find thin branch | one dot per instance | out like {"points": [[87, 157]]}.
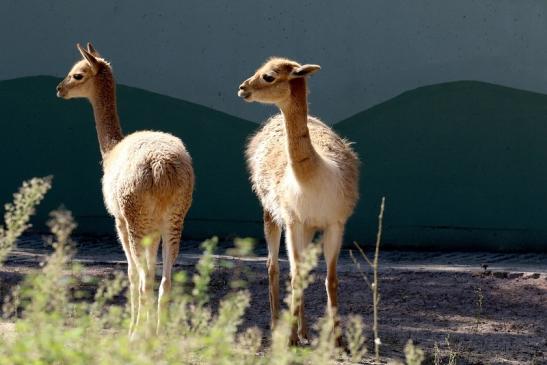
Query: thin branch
{"points": [[375, 292], [363, 254], [363, 275]]}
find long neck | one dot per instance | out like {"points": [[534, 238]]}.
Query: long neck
{"points": [[107, 121], [303, 158]]}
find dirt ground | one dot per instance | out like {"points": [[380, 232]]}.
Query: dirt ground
{"points": [[483, 308]]}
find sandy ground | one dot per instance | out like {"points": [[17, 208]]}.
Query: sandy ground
{"points": [[430, 297]]}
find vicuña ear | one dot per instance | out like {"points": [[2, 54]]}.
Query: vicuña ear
{"points": [[92, 50], [89, 57], [304, 70]]}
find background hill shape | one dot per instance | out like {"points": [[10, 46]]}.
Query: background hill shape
{"points": [[461, 164], [43, 135]]}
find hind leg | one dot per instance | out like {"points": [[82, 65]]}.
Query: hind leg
{"points": [[139, 232], [151, 255], [170, 251], [132, 275], [146, 279]]}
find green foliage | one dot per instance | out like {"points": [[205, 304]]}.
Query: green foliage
{"points": [[19, 212], [53, 325], [479, 308], [204, 269], [355, 339], [58, 322], [243, 247], [451, 354], [414, 355]]}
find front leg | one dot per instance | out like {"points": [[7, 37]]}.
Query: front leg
{"points": [[296, 242], [309, 232], [332, 241]]}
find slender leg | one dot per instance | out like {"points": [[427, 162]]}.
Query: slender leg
{"points": [[295, 242], [332, 241], [145, 285], [131, 270], [302, 323], [170, 251], [151, 256], [272, 233]]}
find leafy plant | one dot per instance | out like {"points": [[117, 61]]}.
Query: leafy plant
{"points": [[58, 322], [18, 212]]}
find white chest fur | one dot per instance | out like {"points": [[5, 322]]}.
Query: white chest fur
{"points": [[318, 201]]}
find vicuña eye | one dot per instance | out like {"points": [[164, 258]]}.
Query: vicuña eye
{"points": [[268, 78], [78, 76]]}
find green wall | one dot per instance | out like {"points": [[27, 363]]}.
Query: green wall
{"points": [[461, 164], [44, 135]]}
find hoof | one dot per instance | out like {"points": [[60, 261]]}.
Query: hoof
{"points": [[341, 344], [304, 339], [294, 340], [133, 336]]}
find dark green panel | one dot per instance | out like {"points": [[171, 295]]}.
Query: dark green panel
{"points": [[461, 164], [45, 135]]}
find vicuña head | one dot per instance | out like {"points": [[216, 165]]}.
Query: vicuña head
{"points": [[271, 83], [83, 79]]}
